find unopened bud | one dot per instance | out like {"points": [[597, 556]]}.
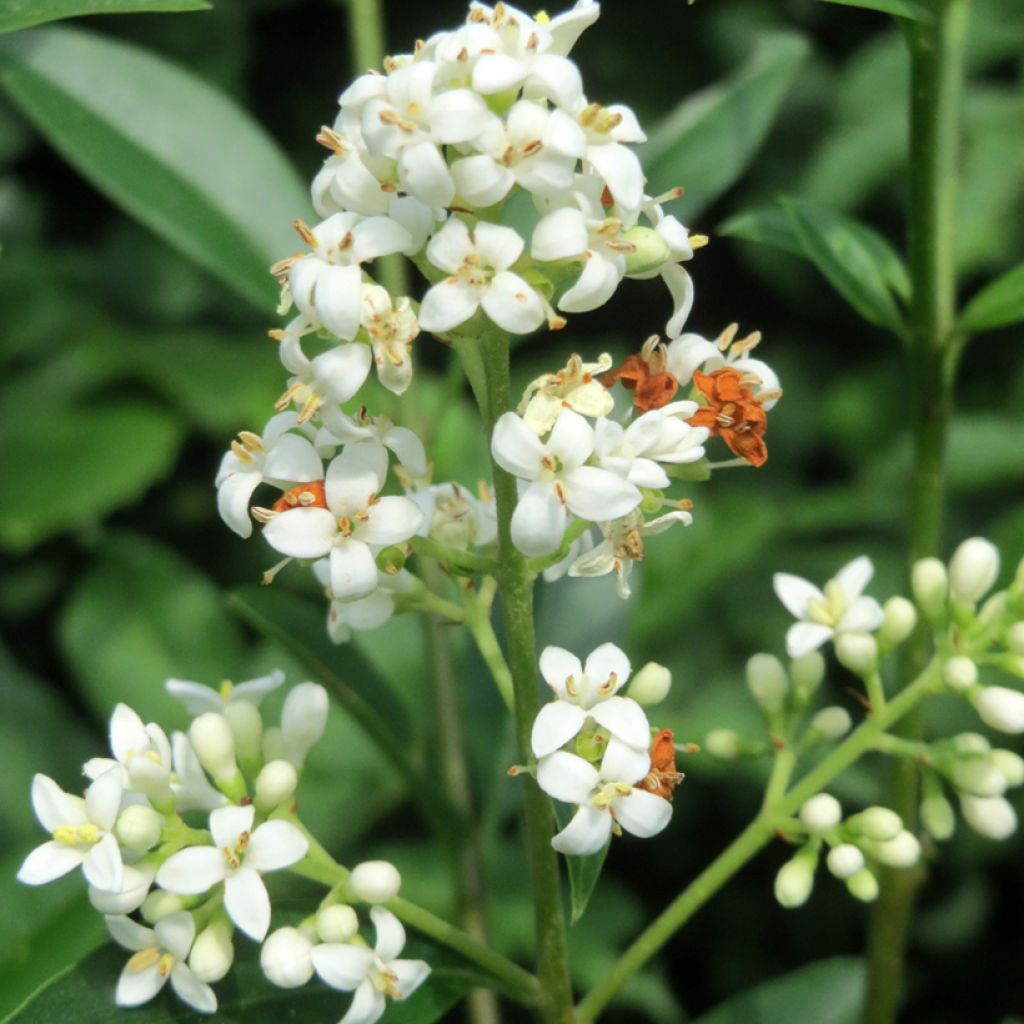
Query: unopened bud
{"points": [[1011, 764], [878, 823], [651, 684], [214, 745], [723, 744], [972, 570], [375, 881], [138, 827], [898, 622], [960, 673], [392, 559], [845, 860], [795, 881], [1001, 708], [930, 584], [978, 778], [821, 813], [863, 886], [303, 720], [273, 744], [651, 250], [989, 816], [938, 817], [246, 727], [831, 723], [336, 923], [857, 651], [212, 953], [275, 784], [767, 681], [286, 958], [965, 743], [1015, 639], [993, 609], [902, 851], [807, 673], [159, 903]]}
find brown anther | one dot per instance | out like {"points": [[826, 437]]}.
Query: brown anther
{"points": [[534, 146], [262, 515], [778, 743], [276, 334], [330, 139], [251, 442], [305, 234], [346, 242], [685, 504], [282, 267]]}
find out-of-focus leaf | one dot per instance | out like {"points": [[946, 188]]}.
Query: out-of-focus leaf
{"points": [[25, 13], [173, 151], [707, 142], [997, 305], [584, 873], [826, 992], [75, 465], [140, 617], [897, 8]]}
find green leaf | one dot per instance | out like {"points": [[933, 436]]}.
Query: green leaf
{"points": [[998, 304], [584, 873], [73, 466], [897, 8], [25, 13], [707, 142], [140, 617], [826, 992], [171, 150]]}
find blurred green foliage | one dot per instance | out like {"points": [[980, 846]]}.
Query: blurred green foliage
{"points": [[134, 348]]}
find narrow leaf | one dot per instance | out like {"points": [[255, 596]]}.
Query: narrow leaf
{"points": [[18, 14], [998, 304], [167, 147], [708, 141], [897, 8], [584, 873]]}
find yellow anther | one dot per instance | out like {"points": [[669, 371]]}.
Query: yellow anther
{"points": [[698, 241], [164, 965], [239, 452], [250, 441], [305, 234], [144, 959]]}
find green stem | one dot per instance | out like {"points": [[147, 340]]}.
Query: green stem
{"points": [[936, 70], [751, 841], [516, 584], [478, 622], [468, 562]]}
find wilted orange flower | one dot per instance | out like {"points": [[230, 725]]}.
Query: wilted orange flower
{"points": [[645, 374], [311, 495], [733, 412], [663, 778]]}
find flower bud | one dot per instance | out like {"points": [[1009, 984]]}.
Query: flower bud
{"points": [[930, 584], [1001, 708], [767, 681], [857, 651], [212, 953], [972, 570], [651, 684], [993, 609], [246, 724], [978, 778], [863, 886], [900, 618], [831, 723], [960, 673], [651, 250], [138, 827], [902, 851], [286, 958], [989, 816], [964, 743], [723, 744], [1011, 764], [1015, 638], [214, 745], [821, 813], [807, 673], [794, 882], [845, 860], [275, 784], [159, 903], [878, 823], [303, 720], [336, 923], [392, 559], [937, 817], [375, 881]]}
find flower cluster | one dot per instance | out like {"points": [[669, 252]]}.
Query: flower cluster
{"points": [[137, 835]]}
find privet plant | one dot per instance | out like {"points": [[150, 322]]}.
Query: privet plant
{"points": [[479, 158]]}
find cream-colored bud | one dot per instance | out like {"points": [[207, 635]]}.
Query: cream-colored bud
{"points": [[878, 823], [1015, 639], [1011, 764], [857, 651], [930, 583], [286, 958], [794, 882], [978, 777], [723, 744], [821, 813], [246, 727], [336, 923], [960, 673], [303, 720], [993, 609], [989, 816], [213, 952], [650, 251], [651, 684], [275, 784], [972, 570], [902, 851], [1001, 708], [831, 723], [900, 618], [845, 860], [807, 673], [767, 681], [970, 743], [214, 745], [863, 886], [375, 881], [138, 827], [158, 904], [938, 817]]}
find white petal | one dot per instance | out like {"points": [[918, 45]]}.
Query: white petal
{"points": [[409, 449], [49, 861], [247, 902], [302, 279], [197, 698], [572, 440], [176, 933], [378, 236], [555, 724], [538, 523], [448, 304], [353, 570], [688, 352], [567, 777], [233, 497], [512, 304], [588, 831], [624, 763], [191, 990], [53, 806], [275, 845], [620, 168], [804, 637], [137, 987], [680, 287], [498, 246], [560, 235], [516, 448], [795, 593], [228, 823], [338, 300], [641, 813], [134, 890], [254, 690], [341, 371], [129, 934], [594, 287], [410, 974], [367, 1007], [302, 532], [603, 663], [103, 798], [480, 181], [355, 476], [294, 460], [127, 733], [557, 78], [496, 72], [854, 577], [424, 174], [624, 719], [557, 666], [192, 871], [450, 246], [863, 616], [389, 521], [103, 866], [390, 938], [341, 965], [597, 495], [458, 115]]}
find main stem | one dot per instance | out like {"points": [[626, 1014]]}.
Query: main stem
{"points": [[936, 68], [516, 586]]}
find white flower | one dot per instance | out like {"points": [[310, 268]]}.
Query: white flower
{"points": [[841, 608], [478, 265], [303, 720], [558, 480], [332, 377], [135, 885], [372, 973], [677, 280], [354, 519], [577, 387], [377, 430], [237, 858], [160, 953], [607, 128], [392, 327], [583, 692], [191, 788], [142, 751], [454, 517], [198, 699], [277, 457], [606, 797], [82, 833], [364, 613]]}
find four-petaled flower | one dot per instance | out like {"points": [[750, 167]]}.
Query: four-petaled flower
{"points": [[733, 412], [646, 375]]}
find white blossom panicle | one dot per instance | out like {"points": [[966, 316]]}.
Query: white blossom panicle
{"points": [[142, 752]]}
